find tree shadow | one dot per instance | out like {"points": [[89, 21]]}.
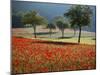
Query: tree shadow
{"points": [[64, 37], [19, 37], [86, 36], [93, 38], [56, 43], [44, 33]]}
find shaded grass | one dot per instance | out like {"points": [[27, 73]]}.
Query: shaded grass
{"points": [[44, 33], [84, 40]]}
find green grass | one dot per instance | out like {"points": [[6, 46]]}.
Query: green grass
{"points": [[84, 40]]}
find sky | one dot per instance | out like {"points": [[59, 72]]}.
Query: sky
{"points": [[49, 10]]}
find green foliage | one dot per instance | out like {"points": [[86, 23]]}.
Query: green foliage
{"points": [[79, 15], [61, 22], [33, 17], [61, 25], [51, 26]]}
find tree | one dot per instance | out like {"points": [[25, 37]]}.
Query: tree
{"points": [[34, 19], [51, 26], [61, 23], [79, 15]]}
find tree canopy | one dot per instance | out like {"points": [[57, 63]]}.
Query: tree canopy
{"points": [[61, 22], [33, 17], [79, 15]]}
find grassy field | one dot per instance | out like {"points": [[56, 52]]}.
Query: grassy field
{"points": [[43, 34]]}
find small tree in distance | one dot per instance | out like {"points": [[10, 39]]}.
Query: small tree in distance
{"points": [[61, 23], [51, 26]]}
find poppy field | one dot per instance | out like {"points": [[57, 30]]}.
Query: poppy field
{"points": [[34, 55]]}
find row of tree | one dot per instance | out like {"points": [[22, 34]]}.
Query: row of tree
{"points": [[76, 17]]}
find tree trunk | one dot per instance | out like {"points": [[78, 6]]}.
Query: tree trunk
{"points": [[79, 34], [62, 29], [62, 33], [50, 32], [34, 27], [74, 32]]}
